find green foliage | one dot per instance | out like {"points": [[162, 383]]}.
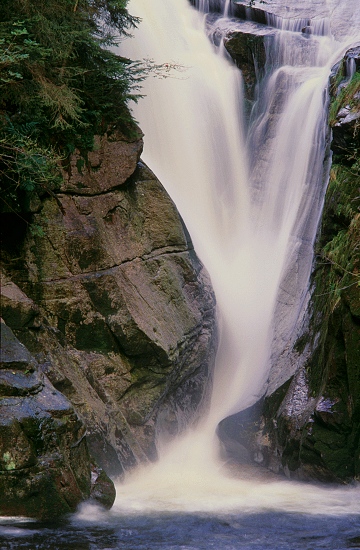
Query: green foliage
{"points": [[24, 164], [348, 95], [337, 274], [339, 248], [341, 232], [59, 85]]}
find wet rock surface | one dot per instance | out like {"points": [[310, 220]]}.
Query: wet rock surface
{"points": [[44, 461], [275, 11], [308, 426], [245, 43], [102, 492], [250, 26], [246, 47], [347, 118]]}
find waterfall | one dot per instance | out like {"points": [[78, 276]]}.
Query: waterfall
{"points": [[250, 193], [204, 165], [250, 215]]}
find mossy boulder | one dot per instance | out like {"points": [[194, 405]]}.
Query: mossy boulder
{"points": [[44, 461], [45, 467]]}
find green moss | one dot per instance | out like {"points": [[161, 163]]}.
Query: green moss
{"points": [[95, 336], [337, 78], [337, 274], [9, 461], [338, 268], [331, 441], [338, 256]]}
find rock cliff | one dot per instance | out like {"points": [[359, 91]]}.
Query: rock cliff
{"points": [[103, 287]]}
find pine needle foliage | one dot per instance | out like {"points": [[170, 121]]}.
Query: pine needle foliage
{"points": [[59, 79]]}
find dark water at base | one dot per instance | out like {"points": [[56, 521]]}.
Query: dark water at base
{"points": [[270, 531]]}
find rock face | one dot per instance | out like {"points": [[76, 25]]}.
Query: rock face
{"points": [[276, 11], [246, 45], [44, 460], [109, 165], [309, 427], [109, 296]]}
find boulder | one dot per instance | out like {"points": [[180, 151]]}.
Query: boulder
{"points": [[120, 311], [19, 310], [44, 461], [246, 46], [102, 488], [110, 163]]}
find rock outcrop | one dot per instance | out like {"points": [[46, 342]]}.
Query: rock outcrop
{"points": [[44, 461], [246, 45], [107, 293]]}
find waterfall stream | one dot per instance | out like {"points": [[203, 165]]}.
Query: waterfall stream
{"points": [[250, 187], [250, 192]]}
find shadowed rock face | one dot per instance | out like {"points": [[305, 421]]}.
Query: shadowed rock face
{"points": [[112, 300], [246, 45], [45, 468]]}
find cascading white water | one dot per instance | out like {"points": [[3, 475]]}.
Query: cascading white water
{"points": [[252, 216], [202, 162], [194, 144]]}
